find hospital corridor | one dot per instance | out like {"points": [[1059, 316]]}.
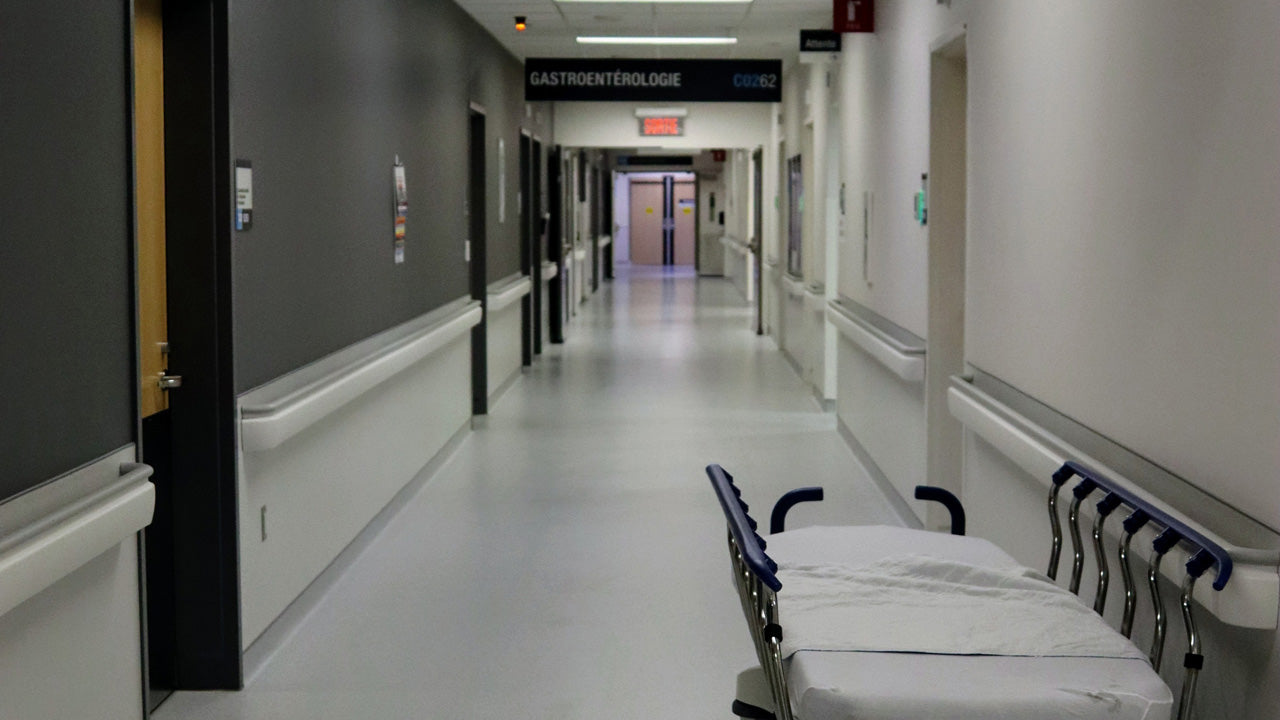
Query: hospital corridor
{"points": [[566, 561], [689, 359]]}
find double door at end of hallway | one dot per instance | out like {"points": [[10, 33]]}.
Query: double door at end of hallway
{"points": [[663, 221]]}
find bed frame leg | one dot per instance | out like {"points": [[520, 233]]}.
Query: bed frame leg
{"points": [[1193, 661], [1132, 524], [1081, 491], [1060, 478], [1106, 506], [1163, 544]]}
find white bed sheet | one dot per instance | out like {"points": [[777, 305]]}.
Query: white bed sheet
{"points": [[901, 686], [921, 604]]}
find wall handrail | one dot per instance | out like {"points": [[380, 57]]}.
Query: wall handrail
{"points": [[605, 240], [793, 285], [735, 245], [815, 297], [901, 356], [1250, 600], [266, 424], [549, 269], [37, 555], [507, 291]]}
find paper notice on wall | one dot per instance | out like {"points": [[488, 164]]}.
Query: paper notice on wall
{"points": [[401, 209], [244, 195]]}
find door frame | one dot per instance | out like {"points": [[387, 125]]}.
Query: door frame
{"points": [[200, 512], [555, 243], [947, 198], [474, 207], [757, 232], [538, 232], [527, 257]]}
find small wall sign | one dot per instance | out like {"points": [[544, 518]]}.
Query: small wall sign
{"points": [[825, 41], [244, 195], [401, 208]]}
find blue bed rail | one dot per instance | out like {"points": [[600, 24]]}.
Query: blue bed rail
{"points": [[1206, 553], [743, 528]]}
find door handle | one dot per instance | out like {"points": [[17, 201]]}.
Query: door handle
{"points": [[169, 382]]}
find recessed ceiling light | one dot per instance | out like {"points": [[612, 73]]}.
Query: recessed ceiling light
{"points": [[653, 40]]}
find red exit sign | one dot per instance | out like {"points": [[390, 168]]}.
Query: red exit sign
{"points": [[650, 126], [851, 16]]}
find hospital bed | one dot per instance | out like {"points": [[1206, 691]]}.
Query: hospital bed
{"points": [[883, 622]]}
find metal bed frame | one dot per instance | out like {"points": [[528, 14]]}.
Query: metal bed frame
{"points": [[755, 573]]}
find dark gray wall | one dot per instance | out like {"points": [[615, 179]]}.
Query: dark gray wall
{"points": [[324, 96], [66, 298]]}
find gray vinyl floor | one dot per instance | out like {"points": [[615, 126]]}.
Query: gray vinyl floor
{"points": [[568, 562]]}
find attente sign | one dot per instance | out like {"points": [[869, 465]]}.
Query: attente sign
{"points": [[650, 80]]}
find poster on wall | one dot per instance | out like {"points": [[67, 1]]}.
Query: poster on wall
{"points": [[244, 195], [401, 208]]}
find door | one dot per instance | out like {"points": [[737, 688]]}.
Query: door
{"points": [[539, 230], [646, 222], [555, 244], [685, 234], [795, 213], [947, 198], [184, 200], [757, 233], [153, 337], [475, 207], [526, 250]]}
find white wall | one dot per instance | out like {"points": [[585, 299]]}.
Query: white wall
{"points": [[1123, 264], [503, 346], [74, 649], [884, 90], [323, 485], [708, 125], [1124, 255]]}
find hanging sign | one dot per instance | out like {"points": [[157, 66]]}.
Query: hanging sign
{"points": [[826, 41], [631, 80]]}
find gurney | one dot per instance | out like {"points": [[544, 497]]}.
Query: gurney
{"points": [[881, 622]]}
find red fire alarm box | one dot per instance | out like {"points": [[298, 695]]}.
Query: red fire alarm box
{"points": [[852, 16], [718, 155]]}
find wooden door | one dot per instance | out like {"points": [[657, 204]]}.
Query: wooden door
{"points": [[686, 217], [153, 326], [646, 222]]}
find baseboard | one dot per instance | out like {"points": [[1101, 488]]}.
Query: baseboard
{"points": [[288, 622], [795, 364], [899, 504], [506, 385], [827, 404]]}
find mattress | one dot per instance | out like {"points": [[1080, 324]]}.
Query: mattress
{"points": [[868, 685], [880, 686]]}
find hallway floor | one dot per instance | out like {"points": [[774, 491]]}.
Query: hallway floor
{"points": [[568, 562]]}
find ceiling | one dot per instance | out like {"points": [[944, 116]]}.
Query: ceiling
{"points": [[764, 28]]}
